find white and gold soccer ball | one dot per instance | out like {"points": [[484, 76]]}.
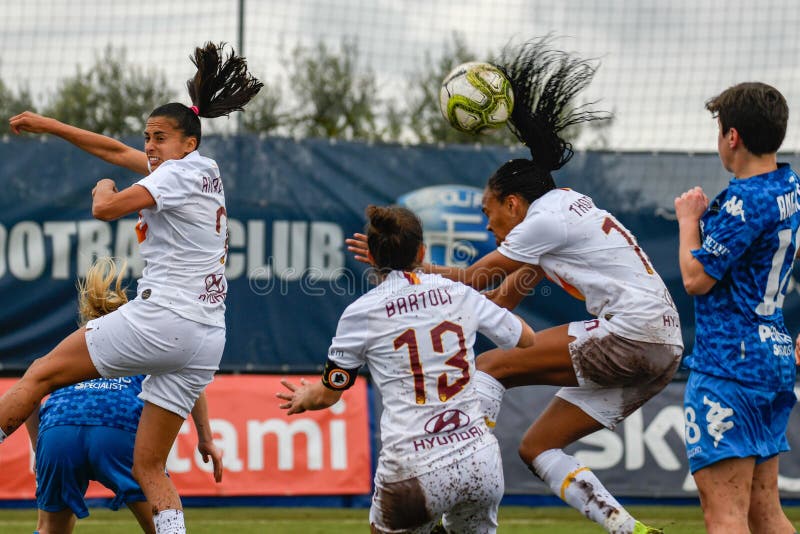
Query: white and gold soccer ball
{"points": [[476, 97]]}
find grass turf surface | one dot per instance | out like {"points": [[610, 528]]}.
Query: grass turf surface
{"points": [[513, 520]]}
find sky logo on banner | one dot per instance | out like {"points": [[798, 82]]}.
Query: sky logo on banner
{"points": [[454, 225]]}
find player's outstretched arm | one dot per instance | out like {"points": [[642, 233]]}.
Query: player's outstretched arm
{"points": [[104, 147], [205, 439], [488, 271], [307, 397], [516, 286]]}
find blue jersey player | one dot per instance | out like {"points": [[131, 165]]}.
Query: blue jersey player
{"points": [[736, 254], [87, 431]]}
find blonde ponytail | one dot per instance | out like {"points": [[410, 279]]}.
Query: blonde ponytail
{"points": [[96, 297]]}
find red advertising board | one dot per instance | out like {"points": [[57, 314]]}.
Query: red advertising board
{"points": [[265, 452]]}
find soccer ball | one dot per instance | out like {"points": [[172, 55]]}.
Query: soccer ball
{"points": [[476, 98]]}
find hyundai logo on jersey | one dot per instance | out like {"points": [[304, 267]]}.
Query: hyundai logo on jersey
{"points": [[446, 421], [454, 225]]}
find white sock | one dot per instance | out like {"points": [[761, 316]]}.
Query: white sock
{"points": [[169, 522], [581, 489], [490, 394]]}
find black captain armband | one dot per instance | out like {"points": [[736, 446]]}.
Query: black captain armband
{"points": [[337, 378]]}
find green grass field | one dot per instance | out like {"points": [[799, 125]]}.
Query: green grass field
{"points": [[513, 520]]}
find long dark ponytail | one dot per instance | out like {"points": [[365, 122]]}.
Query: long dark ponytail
{"points": [[220, 86], [545, 83]]}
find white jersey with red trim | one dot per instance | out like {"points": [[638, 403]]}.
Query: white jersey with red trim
{"points": [[591, 255], [416, 333], [183, 239]]}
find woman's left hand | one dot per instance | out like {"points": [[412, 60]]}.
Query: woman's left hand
{"points": [[208, 451]]}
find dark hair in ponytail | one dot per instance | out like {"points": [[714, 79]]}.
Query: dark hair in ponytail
{"points": [[220, 86], [394, 235], [545, 82]]}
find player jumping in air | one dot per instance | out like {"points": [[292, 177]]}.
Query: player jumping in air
{"points": [[182, 233], [609, 365]]}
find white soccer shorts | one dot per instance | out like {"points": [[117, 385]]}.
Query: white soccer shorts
{"points": [[180, 355], [616, 375]]}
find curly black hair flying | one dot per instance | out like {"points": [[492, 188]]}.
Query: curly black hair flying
{"points": [[545, 82], [221, 85]]}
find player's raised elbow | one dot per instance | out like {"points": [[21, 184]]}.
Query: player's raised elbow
{"points": [[104, 211], [527, 337], [698, 285]]}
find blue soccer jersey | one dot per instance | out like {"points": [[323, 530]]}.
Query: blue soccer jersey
{"points": [[111, 402], [749, 240]]}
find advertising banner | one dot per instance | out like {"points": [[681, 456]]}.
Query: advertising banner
{"points": [[644, 456], [290, 205], [265, 452]]}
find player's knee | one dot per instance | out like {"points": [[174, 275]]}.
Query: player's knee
{"points": [[145, 467], [527, 453]]}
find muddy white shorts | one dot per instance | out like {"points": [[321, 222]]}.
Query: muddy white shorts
{"points": [[465, 494], [616, 375], [180, 355]]}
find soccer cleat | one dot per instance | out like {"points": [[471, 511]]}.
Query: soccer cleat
{"points": [[439, 528], [641, 528]]}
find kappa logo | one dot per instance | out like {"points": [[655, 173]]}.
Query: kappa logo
{"points": [[447, 421], [734, 207], [717, 426], [215, 283], [453, 223]]}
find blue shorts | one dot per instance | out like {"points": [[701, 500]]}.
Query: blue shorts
{"points": [[724, 419], [68, 457]]}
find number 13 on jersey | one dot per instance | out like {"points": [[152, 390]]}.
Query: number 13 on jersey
{"points": [[437, 334]]}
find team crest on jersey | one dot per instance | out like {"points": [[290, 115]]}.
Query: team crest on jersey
{"points": [[453, 223], [734, 207], [338, 378], [447, 421], [216, 288]]}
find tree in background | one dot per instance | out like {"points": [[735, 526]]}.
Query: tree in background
{"points": [[113, 97], [325, 93], [335, 98], [263, 115], [13, 102]]}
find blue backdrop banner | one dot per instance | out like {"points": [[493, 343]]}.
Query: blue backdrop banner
{"points": [[291, 204]]}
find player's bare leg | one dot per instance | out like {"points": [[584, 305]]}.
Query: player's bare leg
{"points": [[765, 514], [725, 489], [61, 522], [143, 513], [546, 362], [562, 423], [157, 431], [68, 363]]}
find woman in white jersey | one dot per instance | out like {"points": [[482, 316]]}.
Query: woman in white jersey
{"points": [[608, 366], [415, 332], [87, 431], [174, 330]]}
